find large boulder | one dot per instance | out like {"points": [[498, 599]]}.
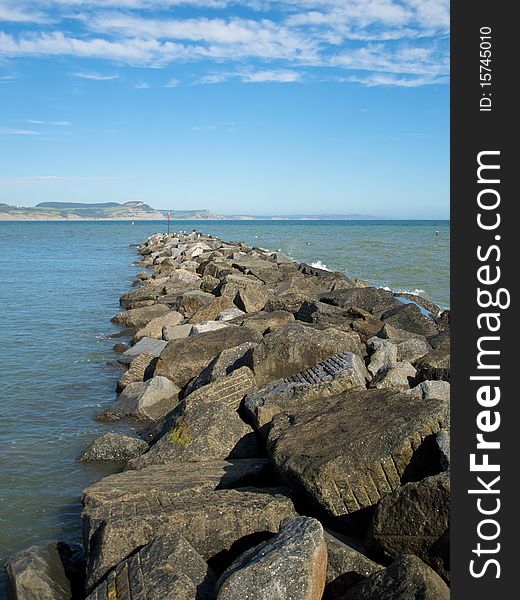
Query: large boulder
{"points": [[142, 295], [209, 312], [252, 299], [415, 519], [264, 322], [206, 425], [138, 318], [113, 447], [408, 578], [160, 480], [374, 300], [221, 522], [222, 365], [346, 319], [431, 389], [292, 564], [191, 302], [166, 567], [139, 368], [410, 318], [329, 378], [347, 452], [383, 355], [295, 346], [183, 359], [347, 565], [51, 572], [436, 365], [151, 399], [155, 327], [398, 376]]}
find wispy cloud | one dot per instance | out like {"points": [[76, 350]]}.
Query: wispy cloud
{"points": [[10, 131], [141, 86], [283, 40], [51, 123], [95, 76], [172, 83]]}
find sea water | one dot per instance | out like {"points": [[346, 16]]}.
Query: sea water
{"points": [[59, 287]]}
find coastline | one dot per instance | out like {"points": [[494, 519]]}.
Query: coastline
{"points": [[309, 317]]}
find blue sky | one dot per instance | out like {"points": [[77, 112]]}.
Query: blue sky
{"points": [[242, 107]]}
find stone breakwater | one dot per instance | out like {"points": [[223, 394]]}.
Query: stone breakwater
{"points": [[294, 440]]}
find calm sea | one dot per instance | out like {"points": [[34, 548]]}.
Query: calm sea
{"points": [[59, 287]]}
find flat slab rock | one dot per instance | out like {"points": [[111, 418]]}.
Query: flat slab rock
{"points": [[415, 519], [292, 564], [151, 399], [408, 578], [167, 568], [347, 452], [211, 521], [148, 345], [138, 485]]}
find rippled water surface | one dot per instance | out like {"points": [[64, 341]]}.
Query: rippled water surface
{"points": [[59, 287]]}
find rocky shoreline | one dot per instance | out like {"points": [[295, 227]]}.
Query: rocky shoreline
{"points": [[294, 439]]}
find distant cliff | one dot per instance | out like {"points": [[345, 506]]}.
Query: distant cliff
{"points": [[139, 211]]}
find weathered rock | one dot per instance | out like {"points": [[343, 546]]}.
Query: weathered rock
{"points": [[229, 314], [151, 399], [434, 365], [52, 572], [191, 302], [320, 313], [184, 359], [157, 480], [137, 318], [408, 578], [113, 447], [424, 303], [143, 346], [176, 333], [210, 311], [168, 567], [396, 335], [442, 440], [292, 564], [211, 521], [410, 318], [431, 389], [208, 326], [373, 300], [347, 565], [209, 283], [234, 282], [347, 452], [264, 270], [327, 280], [137, 371], [120, 347], [329, 378], [154, 328], [415, 519], [252, 299], [265, 322], [290, 301], [398, 376], [222, 365], [384, 355], [185, 277], [412, 349], [145, 293], [206, 425], [440, 342], [294, 347]]}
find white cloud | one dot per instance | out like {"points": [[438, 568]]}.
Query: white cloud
{"points": [[282, 40], [172, 83], [10, 131], [53, 123], [141, 86], [95, 76]]}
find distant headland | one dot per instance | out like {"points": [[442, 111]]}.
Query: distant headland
{"points": [[139, 211]]}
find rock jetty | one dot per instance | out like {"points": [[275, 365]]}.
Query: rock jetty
{"points": [[294, 439]]}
